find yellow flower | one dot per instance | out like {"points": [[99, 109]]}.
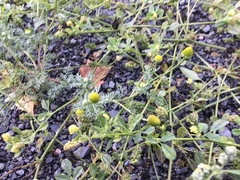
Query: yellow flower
{"points": [[231, 12], [6, 137], [194, 129], [189, 81], [157, 47], [158, 58], [28, 31], [106, 116], [17, 147], [79, 112], [69, 23], [72, 129], [69, 145]]}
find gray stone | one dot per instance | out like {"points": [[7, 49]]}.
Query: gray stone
{"points": [[207, 28], [49, 159], [111, 84], [82, 151], [73, 41], [20, 172], [113, 113], [225, 132], [2, 165]]}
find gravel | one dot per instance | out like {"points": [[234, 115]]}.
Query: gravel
{"points": [[74, 53]]}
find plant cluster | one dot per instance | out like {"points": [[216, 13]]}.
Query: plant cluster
{"points": [[29, 27]]}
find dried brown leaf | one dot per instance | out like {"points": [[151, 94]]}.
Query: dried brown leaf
{"points": [[26, 104], [215, 54]]}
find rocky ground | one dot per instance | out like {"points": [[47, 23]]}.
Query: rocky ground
{"points": [[75, 53]]}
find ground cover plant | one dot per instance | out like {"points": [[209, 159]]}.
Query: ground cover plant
{"points": [[107, 89]]}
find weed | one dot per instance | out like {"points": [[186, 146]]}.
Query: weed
{"points": [[150, 35]]}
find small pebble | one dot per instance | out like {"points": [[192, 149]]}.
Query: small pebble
{"points": [[82, 151], [2, 165], [20, 172]]}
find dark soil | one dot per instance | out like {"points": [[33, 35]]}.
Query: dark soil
{"points": [[75, 53]]}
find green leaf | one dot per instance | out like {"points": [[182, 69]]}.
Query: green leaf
{"points": [[199, 157], [62, 177], [93, 170], [149, 130], [160, 101], [161, 93], [137, 138], [101, 175], [151, 140], [159, 154], [234, 29], [31, 138], [151, 108], [43, 116], [167, 137], [213, 136], [43, 126], [109, 145], [189, 73], [203, 127], [100, 121], [218, 124], [77, 172], [107, 158], [220, 23], [181, 132], [236, 132], [17, 130], [49, 149], [169, 152], [116, 156], [26, 133], [120, 122], [45, 104], [135, 121], [235, 171], [151, 8], [67, 166], [173, 26]]}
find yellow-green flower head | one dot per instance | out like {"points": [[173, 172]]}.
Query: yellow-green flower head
{"points": [[158, 58], [231, 12], [187, 52], [28, 31], [153, 120], [17, 147], [79, 112], [194, 129], [189, 81], [72, 129], [94, 97], [6, 137]]}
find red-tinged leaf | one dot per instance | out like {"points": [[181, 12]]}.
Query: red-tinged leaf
{"points": [[99, 74]]}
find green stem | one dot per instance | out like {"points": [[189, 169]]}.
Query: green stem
{"points": [[49, 146], [195, 42], [207, 140], [97, 31], [154, 165], [209, 105]]}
